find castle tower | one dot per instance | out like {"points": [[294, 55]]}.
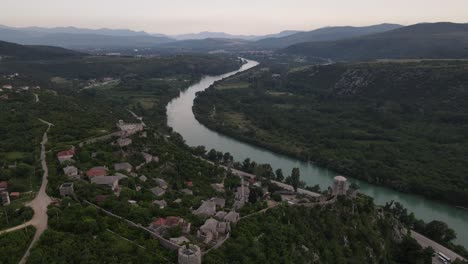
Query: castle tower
{"points": [[190, 254], [340, 186]]}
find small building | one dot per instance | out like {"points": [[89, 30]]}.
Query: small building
{"points": [[110, 181], [186, 191], [132, 202], [96, 172], [160, 224], [161, 203], [7, 86], [158, 191], [161, 183], [220, 202], [189, 184], [219, 187], [124, 166], [71, 171], [232, 217], [190, 254], [207, 208], [220, 215], [5, 198], [65, 155], [149, 158], [238, 204], [340, 186], [212, 229], [66, 189], [123, 142], [143, 178], [14, 195], [179, 240]]}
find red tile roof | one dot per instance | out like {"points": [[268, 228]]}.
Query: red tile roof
{"points": [[93, 172], [14, 194], [3, 184], [189, 183], [64, 153], [159, 222], [170, 221]]}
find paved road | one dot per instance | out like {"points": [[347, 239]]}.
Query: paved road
{"points": [[426, 242], [37, 98]]}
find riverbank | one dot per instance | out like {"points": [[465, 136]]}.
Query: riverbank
{"points": [[182, 120]]}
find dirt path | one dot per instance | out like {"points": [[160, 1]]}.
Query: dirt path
{"points": [[42, 200], [140, 118], [37, 98]]}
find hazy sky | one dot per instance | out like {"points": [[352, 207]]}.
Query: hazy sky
{"points": [[235, 16]]}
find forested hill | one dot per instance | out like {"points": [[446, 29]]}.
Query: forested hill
{"points": [[431, 40], [324, 34], [398, 124], [15, 51]]}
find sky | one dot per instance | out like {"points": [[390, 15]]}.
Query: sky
{"points": [[235, 16]]}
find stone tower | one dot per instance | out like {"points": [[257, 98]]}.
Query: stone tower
{"points": [[340, 186], [190, 254]]}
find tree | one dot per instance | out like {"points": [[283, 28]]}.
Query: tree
{"points": [[212, 155], [279, 175], [255, 194], [227, 157], [295, 178], [439, 231]]}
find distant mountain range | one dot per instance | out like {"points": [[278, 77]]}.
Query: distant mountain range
{"points": [[324, 34], [75, 38], [222, 35], [427, 40], [16, 51], [89, 39]]}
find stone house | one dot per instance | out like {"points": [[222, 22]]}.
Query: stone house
{"points": [[212, 230], [161, 183], [158, 191], [124, 166], [72, 172], [123, 142], [207, 208], [232, 217], [66, 189], [110, 181]]}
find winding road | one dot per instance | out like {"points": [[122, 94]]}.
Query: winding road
{"points": [[40, 203]]}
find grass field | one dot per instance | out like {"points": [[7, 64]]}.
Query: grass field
{"points": [[236, 85]]}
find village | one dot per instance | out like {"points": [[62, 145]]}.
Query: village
{"points": [[215, 207]]}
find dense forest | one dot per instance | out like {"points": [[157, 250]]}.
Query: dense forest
{"points": [[401, 124], [349, 231]]}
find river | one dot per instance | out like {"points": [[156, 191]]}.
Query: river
{"points": [[182, 120]]}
